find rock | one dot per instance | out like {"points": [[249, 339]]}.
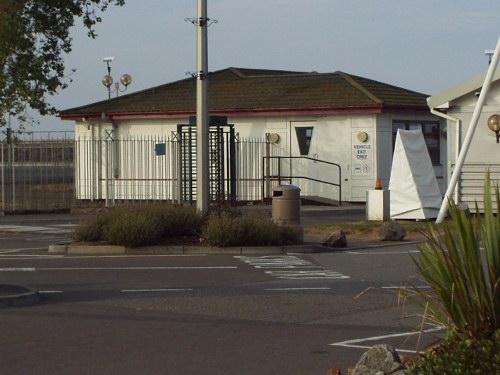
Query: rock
{"points": [[335, 239], [391, 231], [380, 359]]}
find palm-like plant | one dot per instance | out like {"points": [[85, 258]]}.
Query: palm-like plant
{"points": [[462, 267]]}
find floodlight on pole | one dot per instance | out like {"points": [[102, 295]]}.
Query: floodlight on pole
{"points": [[107, 80]]}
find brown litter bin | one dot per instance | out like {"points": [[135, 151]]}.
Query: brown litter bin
{"points": [[286, 205]]}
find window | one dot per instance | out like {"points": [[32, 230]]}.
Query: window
{"points": [[430, 130], [304, 136]]}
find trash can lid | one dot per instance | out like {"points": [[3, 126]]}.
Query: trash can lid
{"points": [[288, 191]]}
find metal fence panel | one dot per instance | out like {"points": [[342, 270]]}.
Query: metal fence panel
{"points": [[36, 175], [50, 174]]}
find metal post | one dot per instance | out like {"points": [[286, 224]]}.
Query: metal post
{"points": [[106, 190], [3, 179], [470, 133], [202, 163], [268, 167]]}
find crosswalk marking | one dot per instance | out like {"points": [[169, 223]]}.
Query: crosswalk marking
{"points": [[290, 267]]}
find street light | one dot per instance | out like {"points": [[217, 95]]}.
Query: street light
{"points": [[107, 80], [494, 125]]}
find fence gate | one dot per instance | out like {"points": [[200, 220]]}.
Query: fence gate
{"points": [[222, 160]]}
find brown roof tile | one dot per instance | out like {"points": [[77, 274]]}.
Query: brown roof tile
{"points": [[242, 90]]}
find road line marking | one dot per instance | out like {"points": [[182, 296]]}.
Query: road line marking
{"points": [[307, 275], [5, 251], [154, 290], [24, 269], [298, 289], [352, 343], [406, 287], [135, 256], [34, 269], [50, 291], [381, 252]]}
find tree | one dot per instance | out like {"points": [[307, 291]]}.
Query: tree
{"points": [[34, 37]]}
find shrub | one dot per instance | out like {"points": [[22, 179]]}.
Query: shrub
{"points": [[133, 227], [460, 355], [140, 225], [225, 229], [180, 221], [91, 229]]}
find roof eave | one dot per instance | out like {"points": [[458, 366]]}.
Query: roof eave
{"points": [[444, 98], [227, 112]]}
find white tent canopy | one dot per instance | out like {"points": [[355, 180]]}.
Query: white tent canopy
{"points": [[413, 187]]}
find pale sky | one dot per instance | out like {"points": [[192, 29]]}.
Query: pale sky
{"points": [[422, 45]]}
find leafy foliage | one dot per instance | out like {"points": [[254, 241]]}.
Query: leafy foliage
{"points": [[134, 226], [465, 281], [34, 36], [226, 229], [459, 355]]}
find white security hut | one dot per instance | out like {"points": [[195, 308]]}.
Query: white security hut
{"points": [[331, 134]]}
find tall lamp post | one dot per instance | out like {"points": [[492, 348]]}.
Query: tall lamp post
{"points": [[107, 80]]}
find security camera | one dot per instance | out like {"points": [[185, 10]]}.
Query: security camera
{"points": [[108, 59], [477, 93]]}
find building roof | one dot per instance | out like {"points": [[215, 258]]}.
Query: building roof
{"points": [[236, 91], [443, 99]]}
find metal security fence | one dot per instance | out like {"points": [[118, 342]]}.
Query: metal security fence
{"points": [[36, 175], [40, 175], [157, 169]]}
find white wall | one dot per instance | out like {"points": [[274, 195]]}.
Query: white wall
{"points": [[335, 139], [483, 153]]}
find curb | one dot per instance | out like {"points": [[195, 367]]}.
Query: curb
{"points": [[181, 250], [307, 248], [15, 295]]}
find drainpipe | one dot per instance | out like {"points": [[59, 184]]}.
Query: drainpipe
{"points": [[470, 133], [457, 146]]}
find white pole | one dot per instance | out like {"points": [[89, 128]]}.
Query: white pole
{"points": [[202, 162], [470, 133]]}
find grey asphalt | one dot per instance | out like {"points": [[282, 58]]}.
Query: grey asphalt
{"points": [[17, 295]]}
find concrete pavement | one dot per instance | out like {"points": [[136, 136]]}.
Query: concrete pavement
{"points": [[13, 295]]}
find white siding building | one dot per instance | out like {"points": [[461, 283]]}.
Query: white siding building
{"points": [[316, 118], [456, 107]]}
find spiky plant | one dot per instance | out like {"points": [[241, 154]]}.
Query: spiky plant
{"points": [[461, 265]]}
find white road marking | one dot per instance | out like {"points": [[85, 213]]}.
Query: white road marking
{"points": [[405, 287], [5, 251], [381, 252], [290, 267], [136, 256], [296, 289], [272, 261], [154, 290], [307, 275], [27, 228], [35, 269], [50, 291], [352, 343]]}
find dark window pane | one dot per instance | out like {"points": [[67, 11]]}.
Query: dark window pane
{"points": [[304, 136]]}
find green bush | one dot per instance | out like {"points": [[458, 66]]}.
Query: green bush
{"points": [[460, 355], [134, 226], [180, 221], [91, 229], [225, 229]]}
